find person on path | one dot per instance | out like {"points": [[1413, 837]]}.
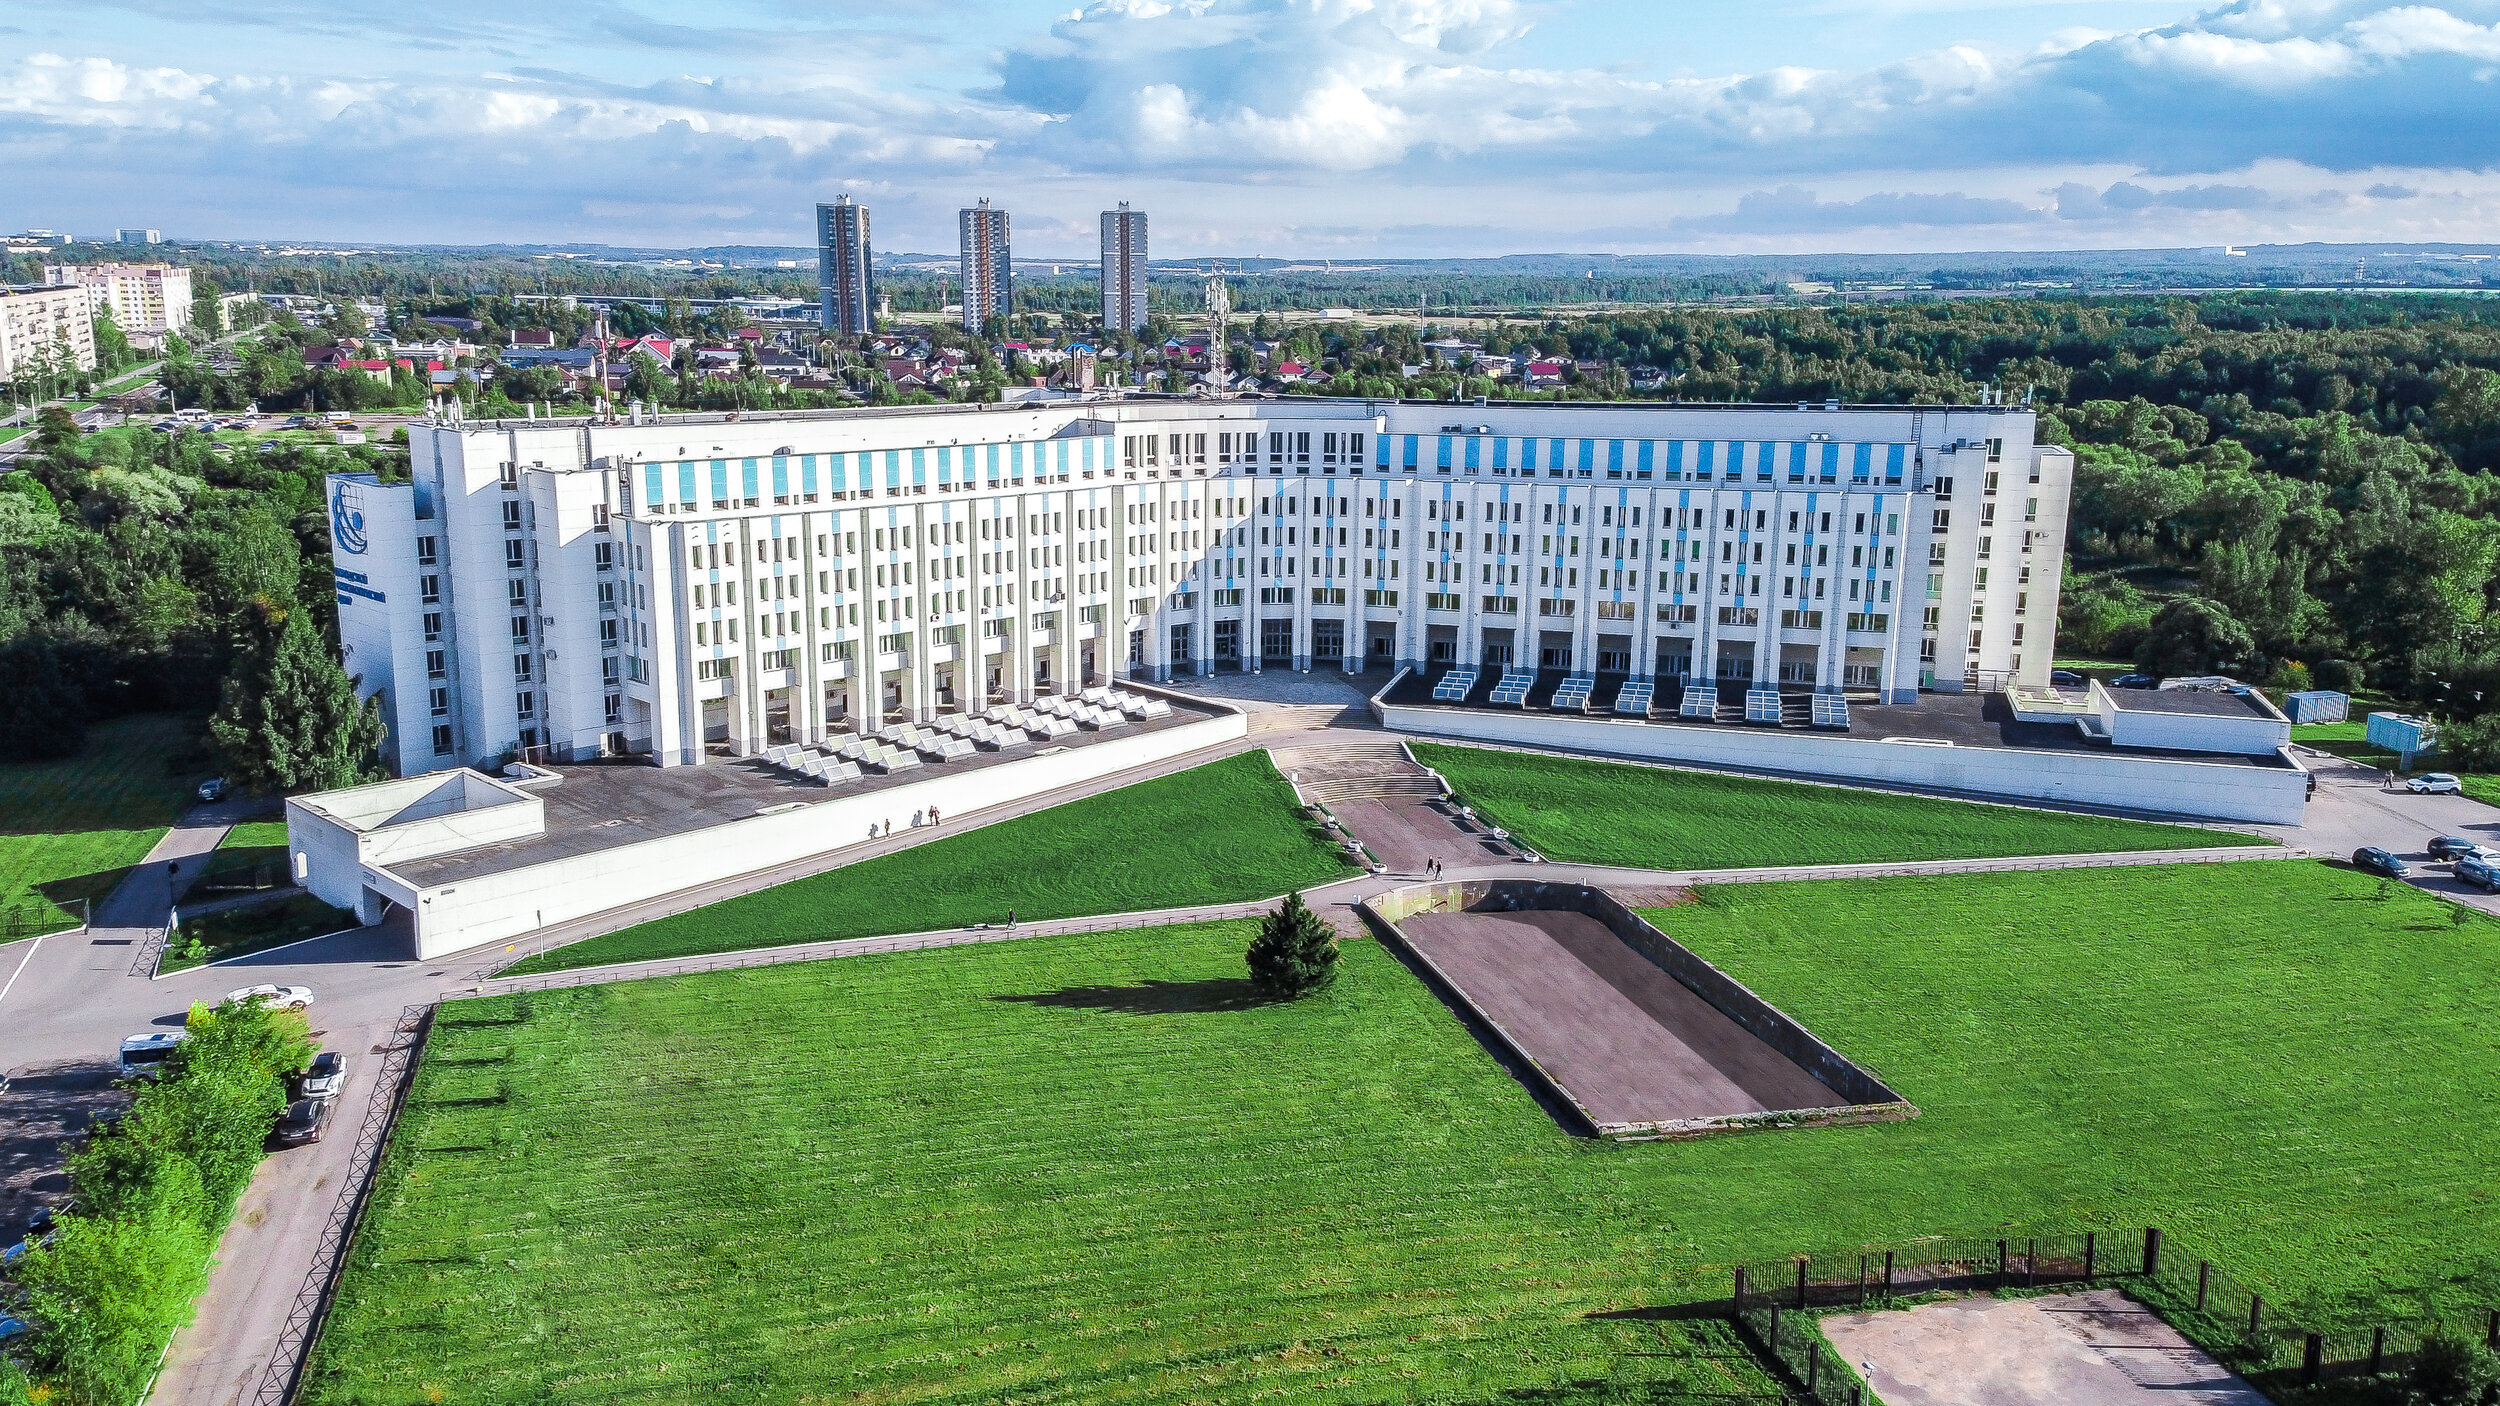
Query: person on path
{"points": [[915, 820], [933, 815], [1011, 918]]}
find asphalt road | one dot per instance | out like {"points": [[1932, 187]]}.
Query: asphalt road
{"points": [[66, 1001]]}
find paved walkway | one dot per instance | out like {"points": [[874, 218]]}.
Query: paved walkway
{"points": [[2097, 1348]]}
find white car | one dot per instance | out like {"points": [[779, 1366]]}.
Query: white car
{"points": [[290, 997], [2432, 783]]}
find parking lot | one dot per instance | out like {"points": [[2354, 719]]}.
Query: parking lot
{"points": [[2353, 809]]}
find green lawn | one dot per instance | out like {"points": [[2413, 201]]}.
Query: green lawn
{"points": [[1590, 812], [1220, 833], [69, 829], [1087, 1169], [253, 927], [255, 834]]}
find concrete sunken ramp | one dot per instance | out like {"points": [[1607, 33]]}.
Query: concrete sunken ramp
{"points": [[2098, 1348], [1628, 1042]]}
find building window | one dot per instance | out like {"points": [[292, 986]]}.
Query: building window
{"points": [[521, 667], [433, 624], [438, 700], [433, 663], [616, 709], [520, 629], [512, 516], [525, 703], [430, 587], [425, 551], [442, 739], [514, 557], [511, 474], [604, 554]]}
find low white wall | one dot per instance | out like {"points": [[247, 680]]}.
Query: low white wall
{"points": [[2210, 790], [2250, 734], [495, 815], [497, 907], [323, 851]]}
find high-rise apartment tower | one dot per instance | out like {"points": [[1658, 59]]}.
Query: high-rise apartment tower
{"points": [[844, 279], [989, 278], [1124, 269]]}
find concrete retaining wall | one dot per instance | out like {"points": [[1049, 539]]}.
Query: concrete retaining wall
{"points": [[2209, 790], [498, 907], [1866, 1098]]}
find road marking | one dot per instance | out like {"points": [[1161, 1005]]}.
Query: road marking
{"points": [[21, 968]]}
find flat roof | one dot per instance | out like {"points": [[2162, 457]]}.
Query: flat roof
{"points": [[605, 805], [2189, 700], [1963, 719]]}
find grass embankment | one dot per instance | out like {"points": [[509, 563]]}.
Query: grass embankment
{"points": [[1221, 833], [1588, 812], [70, 829], [1087, 1169]]}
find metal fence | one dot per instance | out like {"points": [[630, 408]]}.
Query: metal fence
{"points": [[1777, 1303]]}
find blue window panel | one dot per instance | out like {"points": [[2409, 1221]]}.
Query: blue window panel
{"points": [[1062, 457], [1862, 462], [1614, 458], [1444, 452], [1413, 446], [781, 477], [1527, 456], [893, 468], [1553, 456], [720, 478], [838, 472], [1381, 443], [652, 485], [1588, 455], [750, 483], [1709, 453], [1893, 456], [1475, 453], [1649, 457], [1831, 462], [919, 467], [1766, 460], [1796, 460], [1501, 454], [1089, 456], [1015, 459]]}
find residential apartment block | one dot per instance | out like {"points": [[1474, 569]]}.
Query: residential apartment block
{"points": [[988, 268], [44, 328], [845, 274], [1124, 269], [673, 584], [148, 301]]}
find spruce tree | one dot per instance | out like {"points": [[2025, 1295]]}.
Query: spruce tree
{"points": [[289, 719], [1295, 952]]}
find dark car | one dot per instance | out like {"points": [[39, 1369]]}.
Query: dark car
{"points": [[2066, 678], [2482, 873], [2450, 846], [2135, 681], [2380, 862], [302, 1122]]}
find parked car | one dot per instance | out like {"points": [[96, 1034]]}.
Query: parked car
{"points": [[290, 997], [2480, 870], [302, 1122], [2450, 846], [144, 1055], [2135, 681], [324, 1077], [213, 789], [2380, 862], [2432, 783], [2066, 678]]}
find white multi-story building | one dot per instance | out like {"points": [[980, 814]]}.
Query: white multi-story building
{"points": [[45, 330], [148, 301], [660, 584]]}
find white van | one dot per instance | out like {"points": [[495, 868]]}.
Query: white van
{"points": [[143, 1056]]}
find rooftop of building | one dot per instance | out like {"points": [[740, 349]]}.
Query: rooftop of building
{"points": [[607, 805], [1957, 719], [2219, 703]]}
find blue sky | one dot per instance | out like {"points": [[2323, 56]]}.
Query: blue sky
{"points": [[1319, 128]]}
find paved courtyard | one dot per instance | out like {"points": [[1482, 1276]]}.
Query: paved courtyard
{"points": [[2098, 1348]]}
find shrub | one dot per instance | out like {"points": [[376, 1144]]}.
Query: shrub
{"points": [[2341, 675], [2452, 1370]]}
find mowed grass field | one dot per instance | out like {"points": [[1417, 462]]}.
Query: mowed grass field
{"points": [[1220, 833], [1087, 1169], [1591, 812], [70, 828]]}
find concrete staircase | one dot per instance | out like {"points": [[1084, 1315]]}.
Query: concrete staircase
{"points": [[1307, 717], [1344, 771]]}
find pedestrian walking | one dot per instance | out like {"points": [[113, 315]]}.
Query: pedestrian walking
{"points": [[933, 815], [915, 820], [1011, 918]]}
